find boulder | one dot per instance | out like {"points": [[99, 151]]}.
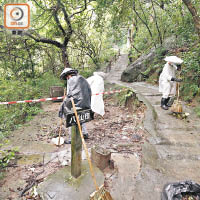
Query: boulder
{"points": [[135, 71]]}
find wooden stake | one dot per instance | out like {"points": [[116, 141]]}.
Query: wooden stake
{"points": [[76, 152], [84, 145]]}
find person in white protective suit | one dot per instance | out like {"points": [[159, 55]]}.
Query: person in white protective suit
{"points": [[167, 80], [96, 83]]}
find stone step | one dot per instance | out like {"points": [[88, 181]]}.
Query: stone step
{"points": [[182, 137], [177, 152]]}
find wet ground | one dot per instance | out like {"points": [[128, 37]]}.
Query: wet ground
{"points": [[119, 131], [172, 150], [146, 155]]}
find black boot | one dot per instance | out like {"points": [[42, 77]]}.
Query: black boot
{"points": [[163, 104], [170, 101], [86, 136], [167, 101]]}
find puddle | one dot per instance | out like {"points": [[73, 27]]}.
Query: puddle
{"points": [[30, 159]]}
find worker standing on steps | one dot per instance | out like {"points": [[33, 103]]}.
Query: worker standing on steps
{"points": [[167, 80]]}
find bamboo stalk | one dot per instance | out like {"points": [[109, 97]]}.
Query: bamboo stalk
{"points": [[178, 92]]}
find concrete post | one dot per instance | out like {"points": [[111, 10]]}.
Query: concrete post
{"points": [[76, 152]]}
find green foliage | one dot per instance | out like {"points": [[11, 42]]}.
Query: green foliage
{"points": [[125, 98], [160, 53], [6, 157], [147, 72], [86, 72], [28, 68], [197, 110], [191, 73], [45, 81], [11, 116]]}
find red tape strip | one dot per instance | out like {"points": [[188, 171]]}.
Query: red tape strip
{"points": [[54, 98]]}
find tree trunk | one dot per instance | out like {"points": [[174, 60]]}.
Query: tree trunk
{"points": [[133, 34], [30, 59], [65, 57], [194, 14], [156, 22]]}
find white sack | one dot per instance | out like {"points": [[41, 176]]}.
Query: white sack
{"points": [[56, 141], [96, 83]]}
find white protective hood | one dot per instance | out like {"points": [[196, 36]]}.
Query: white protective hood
{"points": [[96, 83], [174, 59]]}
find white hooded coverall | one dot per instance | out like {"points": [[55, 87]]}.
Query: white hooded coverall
{"points": [[166, 86], [96, 83]]}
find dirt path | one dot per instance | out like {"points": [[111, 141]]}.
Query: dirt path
{"points": [[119, 131], [169, 153]]}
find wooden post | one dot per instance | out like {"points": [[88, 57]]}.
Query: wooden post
{"points": [[76, 152], [76, 141], [100, 157], [56, 91]]}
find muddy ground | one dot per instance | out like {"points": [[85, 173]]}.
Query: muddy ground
{"points": [[120, 131]]}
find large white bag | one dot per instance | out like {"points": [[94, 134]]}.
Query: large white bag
{"points": [[96, 83]]}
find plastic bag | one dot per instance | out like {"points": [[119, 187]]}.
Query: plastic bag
{"points": [[176, 191], [96, 83], [79, 89]]}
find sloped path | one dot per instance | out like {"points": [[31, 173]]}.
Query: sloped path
{"points": [[172, 150]]}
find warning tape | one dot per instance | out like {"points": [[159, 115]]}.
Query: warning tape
{"points": [[55, 98]]}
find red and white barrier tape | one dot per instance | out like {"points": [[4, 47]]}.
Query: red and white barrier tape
{"points": [[54, 98]]}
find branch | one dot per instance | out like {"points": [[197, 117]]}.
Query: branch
{"points": [[38, 16], [143, 12], [159, 33], [45, 40], [85, 7], [15, 56], [40, 6], [136, 48], [194, 13], [55, 12], [144, 24], [44, 23], [67, 20]]}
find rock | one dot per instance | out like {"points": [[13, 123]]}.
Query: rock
{"points": [[137, 137], [64, 163], [56, 141], [51, 195], [111, 164], [61, 185], [135, 71], [125, 138]]}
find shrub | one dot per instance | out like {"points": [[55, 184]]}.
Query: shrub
{"points": [[11, 116]]}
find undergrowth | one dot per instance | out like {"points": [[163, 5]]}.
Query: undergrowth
{"points": [[197, 110], [12, 116]]}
